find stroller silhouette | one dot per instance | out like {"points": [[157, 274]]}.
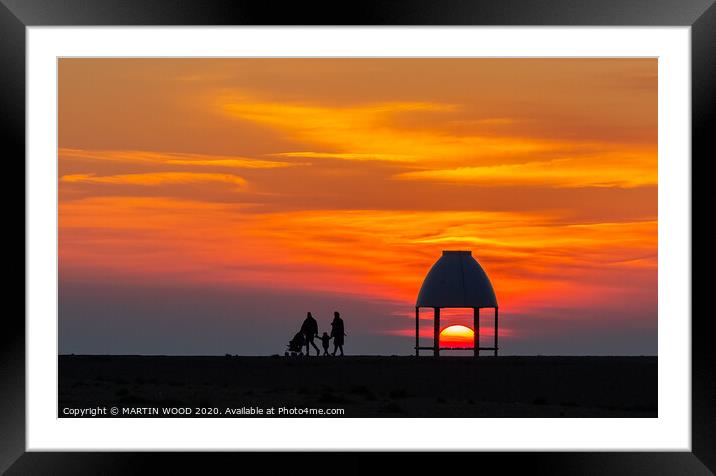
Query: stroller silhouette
{"points": [[295, 346]]}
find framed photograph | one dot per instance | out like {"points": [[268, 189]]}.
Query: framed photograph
{"points": [[454, 226]]}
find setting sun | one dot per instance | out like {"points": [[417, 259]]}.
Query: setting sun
{"points": [[456, 336]]}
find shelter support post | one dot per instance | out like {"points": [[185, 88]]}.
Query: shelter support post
{"points": [[476, 331], [495, 331], [436, 332], [417, 331]]}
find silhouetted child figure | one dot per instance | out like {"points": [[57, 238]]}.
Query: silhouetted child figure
{"points": [[326, 342]]}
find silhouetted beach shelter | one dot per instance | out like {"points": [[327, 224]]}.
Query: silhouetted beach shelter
{"points": [[456, 280]]}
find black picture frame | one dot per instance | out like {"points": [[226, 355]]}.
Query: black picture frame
{"points": [[17, 15]]}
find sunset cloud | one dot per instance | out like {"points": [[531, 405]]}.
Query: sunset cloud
{"points": [[173, 158], [346, 156], [538, 260], [159, 178], [571, 173], [372, 132]]}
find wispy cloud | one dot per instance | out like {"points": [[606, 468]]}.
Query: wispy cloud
{"points": [[375, 132], [346, 156], [157, 178], [174, 158], [569, 173], [439, 154]]}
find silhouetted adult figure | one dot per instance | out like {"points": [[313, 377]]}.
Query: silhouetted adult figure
{"points": [[338, 332], [309, 329]]}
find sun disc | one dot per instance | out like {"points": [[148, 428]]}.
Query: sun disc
{"points": [[456, 336]]}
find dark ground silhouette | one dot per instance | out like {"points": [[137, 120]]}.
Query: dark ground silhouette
{"points": [[371, 386]]}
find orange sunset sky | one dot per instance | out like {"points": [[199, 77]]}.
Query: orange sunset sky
{"points": [[206, 204]]}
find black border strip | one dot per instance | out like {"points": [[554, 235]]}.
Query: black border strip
{"points": [[365, 12], [16, 15]]}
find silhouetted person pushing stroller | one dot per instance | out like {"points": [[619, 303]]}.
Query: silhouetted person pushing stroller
{"points": [[338, 333], [309, 329]]}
